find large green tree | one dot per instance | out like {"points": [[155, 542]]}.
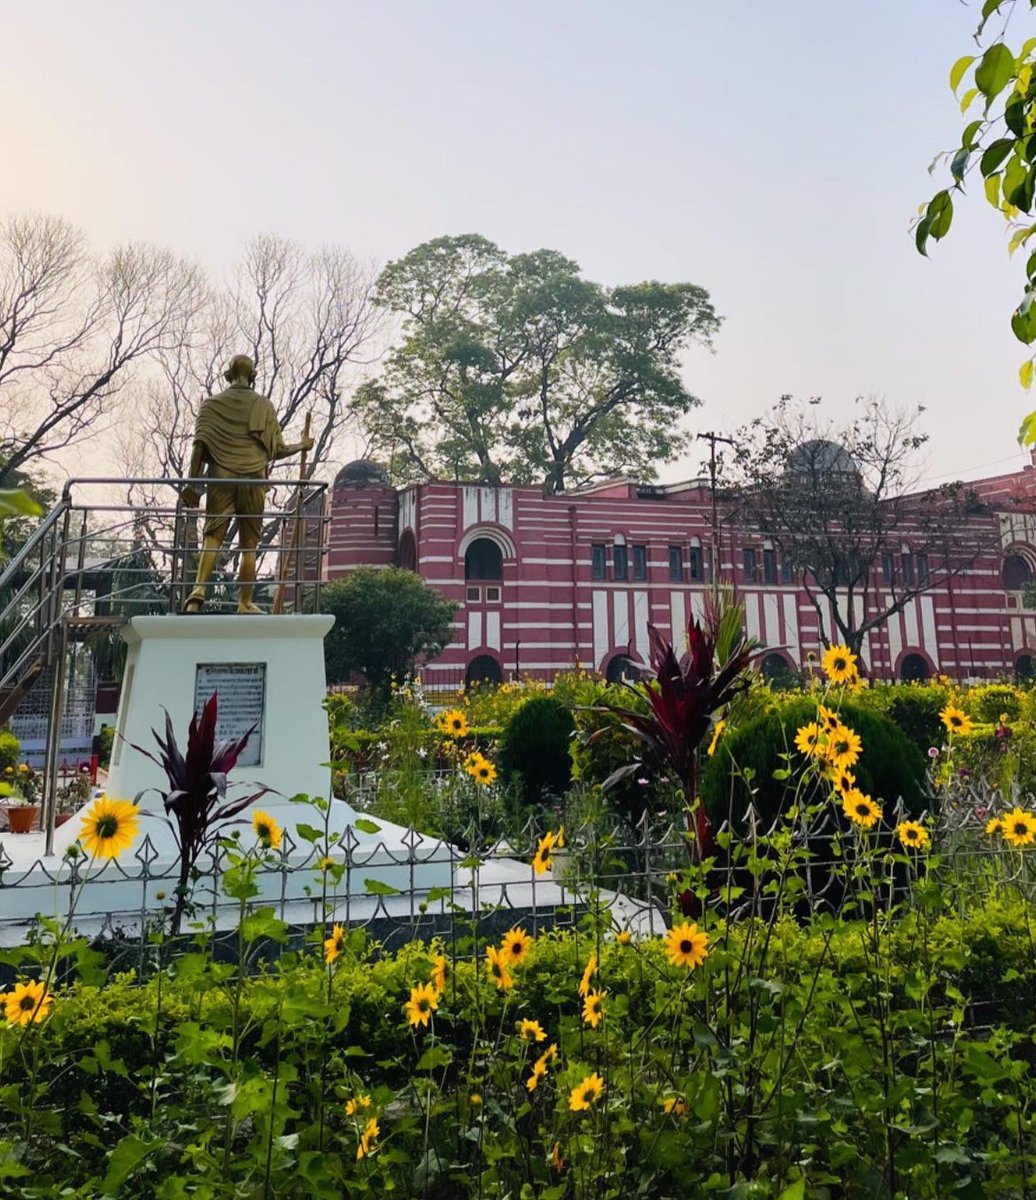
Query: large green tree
{"points": [[385, 620], [516, 367], [996, 86]]}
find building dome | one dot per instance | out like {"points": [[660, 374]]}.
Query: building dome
{"points": [[363, 472], [821, 457]]}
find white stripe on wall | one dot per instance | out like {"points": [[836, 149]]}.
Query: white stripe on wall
{"points": [[678, 609], [621, 610], [791, 627], [507, 508], [493, 630], [470, 496], [913, 638], [771, 621], [931, 642], [474, 630], [640, 624], [601, 639]]}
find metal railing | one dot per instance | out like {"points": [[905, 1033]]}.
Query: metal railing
{"points": [[95, 561]]}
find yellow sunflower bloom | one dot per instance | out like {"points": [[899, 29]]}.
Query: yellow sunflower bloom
{"points": [[588, 974], [371, 1132], [1019, 827], [556, 1160], [588, 1092], [28, 1004], [480, 769], [109, 827], [686, 945], [539, 1071], [912, 835], [424, 1000], [531, 1031], [267, 830], [439, 973], [593, 1009], [995, 825], [844, 746], [861, 809], [624, 937], [515, 947], [828, 719], [955, 719], [326, 863], [497, 966], [454, 723], [675, 1106], [842, 779], [717, 733], [840, 664], [807, 739], [334, 945], [356, 1103], [542, 860]]}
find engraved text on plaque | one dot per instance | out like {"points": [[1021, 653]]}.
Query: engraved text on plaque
{"points": [[242, 700]]}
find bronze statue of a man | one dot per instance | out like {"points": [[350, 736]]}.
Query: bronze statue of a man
{"points": [[237, 437]]}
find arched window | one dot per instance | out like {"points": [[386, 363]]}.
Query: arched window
{"points": [[1015, 573], [408, 552], [914, 669], [483, 669], [484, 560], [775, 670], [621, 668]]}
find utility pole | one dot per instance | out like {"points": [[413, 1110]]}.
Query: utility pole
{"points": [[712, 439]]}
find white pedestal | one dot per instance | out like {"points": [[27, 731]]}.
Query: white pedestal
{"points": [[294, 753]]}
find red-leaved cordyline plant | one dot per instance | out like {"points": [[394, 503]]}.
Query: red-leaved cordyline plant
{"points": [[684, 698], [197, 796]]}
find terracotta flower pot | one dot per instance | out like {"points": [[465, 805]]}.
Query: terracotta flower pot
{"points": [[61, 818], [22, 818]]}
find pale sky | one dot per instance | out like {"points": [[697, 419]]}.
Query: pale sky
{"points": [[773, 153]]}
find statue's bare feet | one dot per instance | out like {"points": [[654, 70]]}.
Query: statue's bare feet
{"points": [[249, 608], [193, 605]]}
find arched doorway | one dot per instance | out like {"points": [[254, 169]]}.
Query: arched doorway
{"points": [[914, 669], [483, 559], [408, 551], [483, 669], [776, 670], [1015, 573], [622, 669]]}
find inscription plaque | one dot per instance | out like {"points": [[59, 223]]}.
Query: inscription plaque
{"points": [[242, 702]]}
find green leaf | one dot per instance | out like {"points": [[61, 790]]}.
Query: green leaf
{"points": [[993, 156], [1023, 324], [365, 826], [1025, 373], [263, 924], [994, 71], [992, 186], [940, 214], [376, 888], [970, 135], [309, 833], [1027, 432], [16, 503], [958, 69], [125, 1158], [1022, 195], [921, 235], [439, 893], [794, 1191], [966, 99], [959, 163], [434, 1057]]}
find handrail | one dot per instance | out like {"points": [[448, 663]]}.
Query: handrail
{"points": [[35, 537]]}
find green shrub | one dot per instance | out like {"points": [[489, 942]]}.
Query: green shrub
{"points": [[535, 749], [986, 703], [105, 741], [9, 748], [890, 765], [916, 712]]}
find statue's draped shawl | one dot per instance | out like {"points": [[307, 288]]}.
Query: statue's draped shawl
{"points": [[240, 432]]}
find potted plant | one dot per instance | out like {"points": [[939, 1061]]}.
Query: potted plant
{"points": [[22, 813], [72, 795]]}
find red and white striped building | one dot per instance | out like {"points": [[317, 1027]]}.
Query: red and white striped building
{"points": [[547, 583]]}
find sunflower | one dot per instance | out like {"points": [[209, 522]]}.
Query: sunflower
{"points": [[539, 1071], [109, 827], [840, 664], [588, 973], [542, 860], [675, 1105], [844, 746], [356, 1103], [995, 825], [28, 1004], [593, 1009], [531, 1031], [371, 1131], [482, 771], [955, 719], [334, 945], [1019, 827], [586, 1093], [861, 809], [686, 945], [424, 1000], [497, 967], [326, 863], [717, 733], [515, 947], [842, 779], [556, 1160], [454, 723], [267, 830], [828, 719], [624, 937], [439, 973], [807, 739], [475, 1099], [912, 835]]}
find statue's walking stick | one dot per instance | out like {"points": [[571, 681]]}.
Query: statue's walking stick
{"points": [[289, 554]]}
